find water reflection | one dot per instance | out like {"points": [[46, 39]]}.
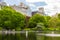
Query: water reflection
{"points": [[11, 36], [30, 36], [50, 35]]}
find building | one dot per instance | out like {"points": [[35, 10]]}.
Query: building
{"points": [[24, 9], [2, 4], [40, 11]]}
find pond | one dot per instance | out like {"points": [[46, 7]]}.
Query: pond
{"points": [[29, 35], [49, 35]]}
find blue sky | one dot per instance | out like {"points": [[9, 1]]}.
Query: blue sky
{"points": [[12, 2], [51, 7], [40, 3]]}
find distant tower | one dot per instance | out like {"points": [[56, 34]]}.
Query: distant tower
{"points": [[41, 10], [2, 4], [22, 4]]}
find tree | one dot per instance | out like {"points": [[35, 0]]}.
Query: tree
{"points": [[47, 18], [37, 18], [10, 19], [54, 23], [59, 16]]}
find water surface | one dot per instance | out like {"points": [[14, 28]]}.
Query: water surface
{"points": [[30, 36]]}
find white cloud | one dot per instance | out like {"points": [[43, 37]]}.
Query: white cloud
{"points": [[7, 4], [32, 5], [31, 1], [52, 7]]}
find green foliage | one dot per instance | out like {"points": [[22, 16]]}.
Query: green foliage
{"points": [[47, 18], [10, 19], [40, 26], [1, 28], [59, 16], [51, 29], [37, 18], [54, 23], [27, 29], [18, 29]]}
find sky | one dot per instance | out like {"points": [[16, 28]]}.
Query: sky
{"points": [[51, 7]]}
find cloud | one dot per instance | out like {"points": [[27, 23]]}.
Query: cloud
{"points": [[32, 5], [52, 7], [32, 1], [40, 3], [12, 2]]}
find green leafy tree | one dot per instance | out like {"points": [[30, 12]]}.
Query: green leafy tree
{"points": [[47, 18], [40, 27], [54, 23], [59, 16], [37, 18], [10, 19]]}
